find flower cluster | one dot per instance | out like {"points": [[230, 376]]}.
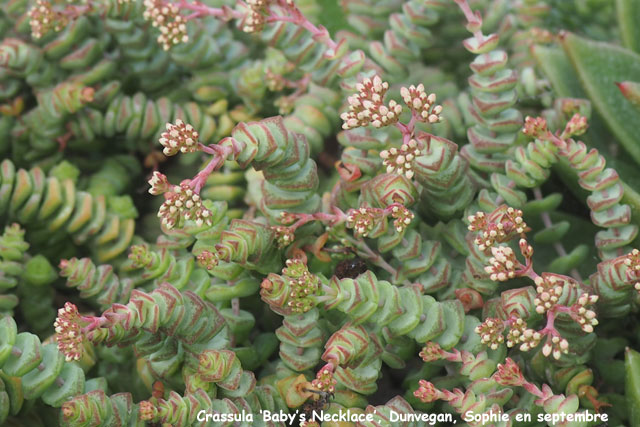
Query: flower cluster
{"points": [[584, 317], [363, 220], [183, 203], [402, 217], [324, 380], [68, 333], [284, 236], [166, 17], [490, 332], [549, 288], [632, 261], [503, 264], [367, 106], [303, 285], [179, 137], [42, 19], [400, 161], [422, 104], [500, 226]]}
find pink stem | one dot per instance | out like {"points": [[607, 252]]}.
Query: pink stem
{"points": [[407, 130], [533, 389], [549, 328], [93, 322], [296, 17], [224, 13], [469, 15], [219, 155], [201, 178]]}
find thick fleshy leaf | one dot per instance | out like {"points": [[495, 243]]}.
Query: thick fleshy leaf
{"points": [[628, 19], [632, 385], [599, 66]]}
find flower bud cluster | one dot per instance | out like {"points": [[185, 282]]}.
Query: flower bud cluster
{"points": [[503, 264], [255, 19], [431, 352], [303, 285], [147, 411], [207, 259], [68, 333], [427, 392], [519, 333], [181, 203], [287, 218], [576, 126], [582, 315], [490, 332], [529, 339], [166, 17], [556, 346], [42, 19], [516, 332], [509, 374], [159, 184], [535, 126], [400, 161], [140, 255], [179, 137], [422, 104], [367, 106], [500, 226]]}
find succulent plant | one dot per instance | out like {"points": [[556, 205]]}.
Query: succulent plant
{"points": [[363, 212]]}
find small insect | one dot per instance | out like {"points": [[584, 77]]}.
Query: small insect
{"points": [[350, 268], [317, 405]]}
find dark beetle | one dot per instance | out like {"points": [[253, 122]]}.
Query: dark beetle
{"points": [[317, 405], [350, 268]]}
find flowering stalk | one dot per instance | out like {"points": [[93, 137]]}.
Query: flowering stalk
{"points": [[508, 375], [164, 312], [604, 202], [555, 294]]}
